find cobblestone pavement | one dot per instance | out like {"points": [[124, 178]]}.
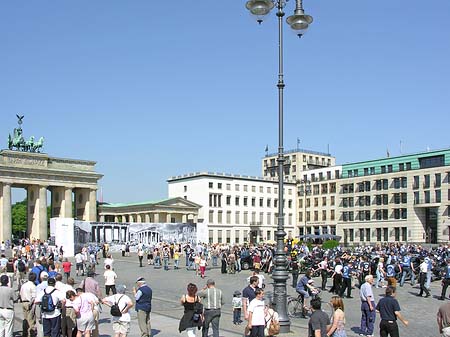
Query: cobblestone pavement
{"points": [[168, 286]]}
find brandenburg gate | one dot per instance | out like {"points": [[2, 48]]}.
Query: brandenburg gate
{"points": [[71, 182]]}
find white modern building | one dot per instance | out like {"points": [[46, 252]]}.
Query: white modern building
{"points": [[237, 208]]}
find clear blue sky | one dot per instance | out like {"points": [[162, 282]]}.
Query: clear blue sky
{"points": [[150, 89]]}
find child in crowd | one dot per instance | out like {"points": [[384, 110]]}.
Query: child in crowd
{"points": [[237, 307]]}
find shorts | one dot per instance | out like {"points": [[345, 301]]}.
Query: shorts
{"points": [[304, 293], [86, 322], [79, 266], [121, 327]]}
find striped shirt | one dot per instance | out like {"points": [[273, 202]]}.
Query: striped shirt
{"points": [[212, 298]]}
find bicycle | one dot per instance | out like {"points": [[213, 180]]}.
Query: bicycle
{"points": [[296, 306]]}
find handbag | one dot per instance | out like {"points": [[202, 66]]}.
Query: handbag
{"points": [[273, 328]]}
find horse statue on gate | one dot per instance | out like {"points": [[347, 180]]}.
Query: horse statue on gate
{"points": [[38, 145], [17, 141]]}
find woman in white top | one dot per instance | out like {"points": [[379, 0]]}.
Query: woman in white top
{"points": [[380, 273]]}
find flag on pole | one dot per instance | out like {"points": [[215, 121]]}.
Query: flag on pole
{"points": [[387, 152], [267, 148]]}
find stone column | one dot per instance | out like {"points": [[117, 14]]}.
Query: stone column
{"points": [[5, 216], [57, 194], [116, 218], [156, 217], [124, 218], [37, 212], [169, 218], [138, 218], [102, 218], [184, 218], [92, 206], [66, 207], [147, 217]]}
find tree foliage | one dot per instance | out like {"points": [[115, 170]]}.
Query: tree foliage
{"points": [[19, 218]]}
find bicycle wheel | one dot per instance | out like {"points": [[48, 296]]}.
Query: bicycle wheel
{"points": [[294, 308]]}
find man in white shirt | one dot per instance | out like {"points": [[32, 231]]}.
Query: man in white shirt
{"points": [[110, 280], [256, 316], [27, 296], [52, 320], [79, 263], [109, 262], [121, 325]]}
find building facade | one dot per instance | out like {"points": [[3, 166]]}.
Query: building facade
{"points": [[404, 199], [296, 162], [237, 208]]}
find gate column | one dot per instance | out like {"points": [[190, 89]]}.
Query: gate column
{"points": [[5, 216]]}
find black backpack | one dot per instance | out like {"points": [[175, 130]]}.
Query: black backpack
{"points": [[21, 266], [47, 304], [115, 310]]}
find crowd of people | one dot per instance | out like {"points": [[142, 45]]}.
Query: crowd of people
{"points": [[39, 276]]}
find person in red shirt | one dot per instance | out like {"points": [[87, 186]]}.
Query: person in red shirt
{"points": [[66, 267]]}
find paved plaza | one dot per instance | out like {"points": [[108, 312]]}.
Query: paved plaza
{"points": [[168, 286]]}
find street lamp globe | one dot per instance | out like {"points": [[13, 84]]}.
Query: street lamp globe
{"points": [[299, 22], [259, 8]]}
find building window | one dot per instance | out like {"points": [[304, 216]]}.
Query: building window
{"points": [[219, 236], [416, 182], [245, 188], [404, 197], [404, 182], [372, 170], [219, 186], [378, 185], [386, 234], [228, 187], [289, 203], [389, 168], [324, 201], [401, 167], [228, 217], [385, 199], [308, 216], [210, 185], [269, 202], [236, 201], [426, 183], [385, 184], [383, 169], [404, 233], [427, 197], [236, 236], [367, 234], [332, 200], [253, 188], [253, 202], [219, 217], [269, 218], [261, 189], [385, 214], [316, 216], [434, 161], [378, 214], [366, 171], [408, 166], [185, 188], [316, 202], [275, 203], [245, 201], [300, 216], [261, 202], [268, 190], [437, 195], [378, 234], [236, 187], [396, 213], [361, 234], [237, 217], [404, 213], [437, 180], [211, 216], [396, 182], [332, 214], [324, 215], [228, 200]]}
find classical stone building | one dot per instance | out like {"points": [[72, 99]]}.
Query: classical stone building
{"points": [[70, 181], [114, 219]]}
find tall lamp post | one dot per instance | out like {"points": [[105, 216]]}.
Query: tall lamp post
{"points": [[299, 22]]}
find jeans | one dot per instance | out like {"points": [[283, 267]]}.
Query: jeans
{"points": [[6, 322], [166, 263], [236, 316], [214, 261], [52, 326], [176, 262], [407, 271], [387, 328], [428, 282], [380, 278], [212, 317], [257, 331], [367, 318], [238, 264]]}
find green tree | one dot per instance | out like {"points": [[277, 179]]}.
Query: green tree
{"points": [[19, 218]]}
